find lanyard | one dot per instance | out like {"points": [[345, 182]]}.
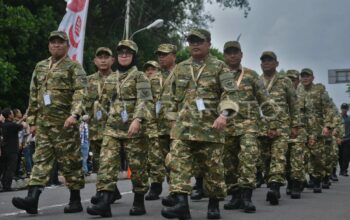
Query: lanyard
{"points": [[195, 80], [99, 89], [268, 88], [51, 68], [120, 85], [240, 77], [168, 78]]}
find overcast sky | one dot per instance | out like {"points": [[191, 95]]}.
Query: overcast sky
{"points": [[303, 33]]}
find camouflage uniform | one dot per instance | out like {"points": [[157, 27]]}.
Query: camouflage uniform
{"points": [[284, 101], [156, 166], [128, 96], [97, 117], [241, 147], [295, 168], [64, 82], [316, 111], [193, 132]]}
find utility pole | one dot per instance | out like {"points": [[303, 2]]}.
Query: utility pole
{"points": [[127, 19]]}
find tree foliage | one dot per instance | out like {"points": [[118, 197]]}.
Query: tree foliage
{"points": [[25, 25]]}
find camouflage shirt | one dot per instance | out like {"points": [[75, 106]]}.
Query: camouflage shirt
{"points": [[126, 96], [316, 108], [210, 86], [167, 103], [251, 95], [284, 102], [98, 117], [61, 86]]}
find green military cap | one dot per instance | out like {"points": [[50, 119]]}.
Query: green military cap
{"points": [[293, 74], [201, 33], [344, 106], [103, 50], [129, 44], [166, 48], [268, 54], [306, 71], [60, 34], [232, 44], [151, 63]]}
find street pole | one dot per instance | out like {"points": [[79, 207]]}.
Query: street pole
{"points": [[127, 19]]}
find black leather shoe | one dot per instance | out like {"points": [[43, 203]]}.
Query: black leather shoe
{"points": [[213, 209], [235, 201], [180, 210], [138, 207]]}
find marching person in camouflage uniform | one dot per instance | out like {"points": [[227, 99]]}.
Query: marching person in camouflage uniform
{"points": [[127, 97], [55, 104], [275, 145], [295, 172], [156, 168], [204, 95], [317, 111], [96, 82], [241, 147]]}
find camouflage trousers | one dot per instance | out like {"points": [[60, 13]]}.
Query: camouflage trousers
{"points": [[240, 158], [315, 163], [295, 168], [158, 148], [273, 153], [330, 156], [136, 154], [60, 144], [181, 158], [95, 146]]}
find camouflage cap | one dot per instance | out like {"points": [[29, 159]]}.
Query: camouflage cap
{"points": [[344, 106], [129, 44], [293, 74], [232, 44], [268, 54], [166, 48], [105, 50], [151, 63], [61, 34], [306, 71], [201, 33]]}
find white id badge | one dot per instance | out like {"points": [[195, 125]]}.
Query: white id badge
{"points": [[124, 116], [99, 115], [47, 99], [158, 106], [200, 104]]}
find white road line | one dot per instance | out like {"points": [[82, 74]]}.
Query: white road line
{"points": [[49, 207]]}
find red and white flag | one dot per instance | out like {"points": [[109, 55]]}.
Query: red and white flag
{"points": [[73, 23]]}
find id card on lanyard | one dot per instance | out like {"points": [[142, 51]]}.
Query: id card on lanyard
{"points": [[199, 100]]}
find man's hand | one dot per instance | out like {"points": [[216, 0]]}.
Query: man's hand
{"points": [[219, 123], [326, 132], [339, 141], [70, 122], [134, 128], [294, 133], [311, 141], [32, 129]]}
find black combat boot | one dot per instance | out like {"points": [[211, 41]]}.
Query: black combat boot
{"points": [[103, 206], [30, 202], [289, 187], [138, 207], [259, 179], [235, 201], [326, 183], [115, 196], [247, 204], [74, 204], [334, 176], [170, 200], [296, 189], [181, 210], [317, 185], [197, 190], [154, 192], [213, 209], [274, 193]]}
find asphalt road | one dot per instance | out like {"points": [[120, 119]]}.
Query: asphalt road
{"points": [[331, 204]]}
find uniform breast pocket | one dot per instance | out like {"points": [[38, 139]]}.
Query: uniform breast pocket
{"points": [[60, 80], [208, 86], [181, 87], [128, 90]]}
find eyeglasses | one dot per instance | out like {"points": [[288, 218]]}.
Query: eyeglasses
{"points": [[196, 42], [126, 53]]}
